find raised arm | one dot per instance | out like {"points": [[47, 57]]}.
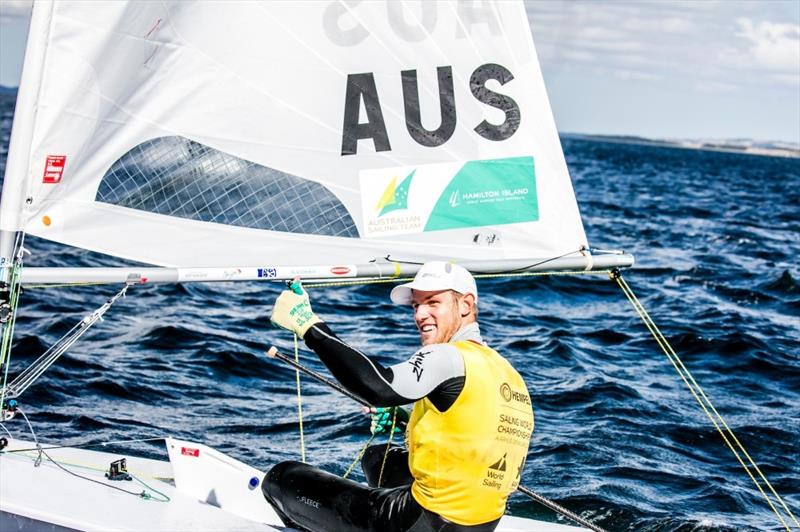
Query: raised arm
{"points": [[435, 371]]}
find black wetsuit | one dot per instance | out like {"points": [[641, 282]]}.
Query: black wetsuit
{"points": [[309, 498]]}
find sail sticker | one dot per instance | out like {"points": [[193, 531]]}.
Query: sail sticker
{"points": [[54, 168], [268, 273], [340, 270], [442, 196], [190, 451]]}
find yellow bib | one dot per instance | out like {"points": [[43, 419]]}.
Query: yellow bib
{"points": [[467, 460]]}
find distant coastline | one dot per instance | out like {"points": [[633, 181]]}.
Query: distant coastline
{"points": [[746, 146]]}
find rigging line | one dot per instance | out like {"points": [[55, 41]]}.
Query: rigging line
{"points": [[515, 270], [8, 327], [358, 282], [37, 368], [299, 402], [359, 456], [388, 443], [662, 342], [35, 439], [705, 402], [273, 353], [695, 389], [42, 451], [82, 445], [68, 285], [143, 494]]}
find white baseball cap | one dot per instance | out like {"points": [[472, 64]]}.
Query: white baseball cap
{"points": [[435, 276]]}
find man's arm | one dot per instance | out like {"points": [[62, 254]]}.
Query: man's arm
{"points": [[435, 371]]}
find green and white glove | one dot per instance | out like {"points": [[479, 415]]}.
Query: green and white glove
{"points": [[381, 420], [292, 310]]}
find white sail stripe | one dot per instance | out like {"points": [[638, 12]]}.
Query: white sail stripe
{"points": [[460, 23], [260, 90], [35, 118], [389, 156], [507, 41]]}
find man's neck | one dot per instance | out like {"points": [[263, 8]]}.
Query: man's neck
{"points": [[469, 332]]}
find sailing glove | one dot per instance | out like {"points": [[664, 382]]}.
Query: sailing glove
{"points": [[292, 310], [381, 420]]}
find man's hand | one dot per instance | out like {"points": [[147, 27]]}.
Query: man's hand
{"points": [[381, 419], [292, 310]]}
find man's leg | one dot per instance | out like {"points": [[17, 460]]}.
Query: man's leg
{"points": [[395, 467], [313, 499]]}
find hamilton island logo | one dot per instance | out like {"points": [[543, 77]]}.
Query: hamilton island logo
{"points": [[454, 198], [394, 197]]}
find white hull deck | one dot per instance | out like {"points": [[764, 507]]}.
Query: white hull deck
{"points": [[207, 491]]}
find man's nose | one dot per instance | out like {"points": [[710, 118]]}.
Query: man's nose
{"points": [[421, 312]]}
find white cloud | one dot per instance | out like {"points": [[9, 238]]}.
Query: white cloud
{"points": [[15, 9], [715, 87], [658, 24], [578, 55], [790, 80], [771, 45], [633, 75]]}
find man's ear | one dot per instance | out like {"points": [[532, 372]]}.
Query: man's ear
{"points": [[466, 305]]}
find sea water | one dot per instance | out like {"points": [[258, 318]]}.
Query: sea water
{"points": [[618, 436]]}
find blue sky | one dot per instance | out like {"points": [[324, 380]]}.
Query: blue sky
{"points": [[656, 68]]}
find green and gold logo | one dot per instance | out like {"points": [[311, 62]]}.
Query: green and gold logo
{"points": [[395, 198]]}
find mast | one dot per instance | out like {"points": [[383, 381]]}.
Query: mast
{"points": [[12, 202]]}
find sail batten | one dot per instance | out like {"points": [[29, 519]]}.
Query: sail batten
{"points": [[201, 134]]}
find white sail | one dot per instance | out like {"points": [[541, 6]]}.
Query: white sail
{"points": [[211, 134]]}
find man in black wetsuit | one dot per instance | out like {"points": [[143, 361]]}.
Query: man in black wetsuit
{"points": [[467, 436]]}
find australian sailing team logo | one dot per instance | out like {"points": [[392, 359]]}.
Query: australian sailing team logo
{"points": [[395, 197], [455, 195]]}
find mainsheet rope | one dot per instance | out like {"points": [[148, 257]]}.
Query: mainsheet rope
{"points": [[704, 401], [299, 402]]}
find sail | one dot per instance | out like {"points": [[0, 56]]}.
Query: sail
{"points": [[213, 134]]}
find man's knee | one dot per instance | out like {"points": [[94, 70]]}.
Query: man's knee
{"points": [[373, 457], [278, 478]]}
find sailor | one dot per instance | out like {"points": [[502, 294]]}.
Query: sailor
{"points": [[467, 436]]}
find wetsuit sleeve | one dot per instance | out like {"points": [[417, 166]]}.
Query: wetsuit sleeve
{"points": [[434, 371]]}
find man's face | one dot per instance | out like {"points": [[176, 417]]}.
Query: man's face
{"points": [[436, 314]]}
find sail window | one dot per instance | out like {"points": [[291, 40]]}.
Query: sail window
{"points": [[176, 176]]}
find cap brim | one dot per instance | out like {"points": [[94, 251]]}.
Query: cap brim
{"points": [[401, 294]]}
